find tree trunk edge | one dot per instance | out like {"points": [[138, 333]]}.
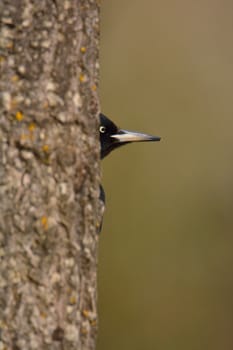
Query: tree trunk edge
{"points": [[50, 174]]}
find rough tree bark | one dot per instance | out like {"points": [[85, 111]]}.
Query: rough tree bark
{"points": [[49, 173]]}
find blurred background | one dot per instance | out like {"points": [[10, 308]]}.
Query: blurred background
{"points": [[166, 249]]}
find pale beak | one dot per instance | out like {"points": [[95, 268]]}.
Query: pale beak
{"points": [[124, 136]]}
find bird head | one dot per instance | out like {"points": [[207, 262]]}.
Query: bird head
{"points": [[112, 137]]}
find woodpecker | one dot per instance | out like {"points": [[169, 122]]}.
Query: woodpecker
{"points": [[112, 137]]}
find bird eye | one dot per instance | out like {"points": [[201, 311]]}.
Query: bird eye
{"points": [[102, 129]]}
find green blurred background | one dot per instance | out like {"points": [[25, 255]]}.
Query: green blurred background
{"points": [[166, 250]]}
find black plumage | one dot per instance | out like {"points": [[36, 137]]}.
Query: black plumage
{"points": [[112, 137]]}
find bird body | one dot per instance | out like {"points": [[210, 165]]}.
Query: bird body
{"points": [[112, 137]]}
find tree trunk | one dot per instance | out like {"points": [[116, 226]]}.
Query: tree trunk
{"points": [[49, 173]]}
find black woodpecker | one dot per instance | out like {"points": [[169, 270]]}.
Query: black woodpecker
{"points": [[112, 137]]}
